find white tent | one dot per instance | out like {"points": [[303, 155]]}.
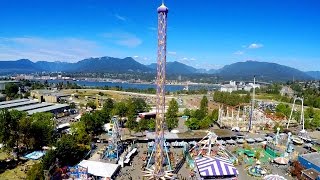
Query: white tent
{"points": [[100, 169], [78, 117]]}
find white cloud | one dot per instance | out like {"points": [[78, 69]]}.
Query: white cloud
{"points": [[238, 53], [121, 18], [50, 49], [135, 56], [255, 46], [123, 39], [172, 52], [152, 28], [193, 59]]}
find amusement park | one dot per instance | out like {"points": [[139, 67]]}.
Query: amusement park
{"points": [[245, 142], [130, 126]]}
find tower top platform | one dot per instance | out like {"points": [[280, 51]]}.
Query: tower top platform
{"points": [[163, 8]]}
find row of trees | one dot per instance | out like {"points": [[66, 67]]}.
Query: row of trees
{"points": [[231, 99], [145, 124], [311, 116], [19, 130], [200, 118]]}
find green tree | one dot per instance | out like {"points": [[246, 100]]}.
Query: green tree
{"points": [[143, 125], [91, 104], [68, 151], [193, 123], [9, 127], [204, 105], [309, 113], [25, 133], [152, 124], [315, 122], [139, 104], [108, 105], [42, 129], [101, 93], [187, 112], [171, 123], [78, 130], [198, 114], [93, 122], [284, 109], [120, 109], [72, 105], [131, 124], [205, 123], [11, 89], [215, 114], [171, 116]]}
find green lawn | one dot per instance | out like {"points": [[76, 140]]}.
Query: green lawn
{"points": [[3, 155], [265, 158], [19, 172]]}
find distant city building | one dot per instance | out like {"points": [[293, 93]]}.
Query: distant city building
{"points": [[229, 87], [45, 77], [286, 91], [24, 77], [233, 86]]}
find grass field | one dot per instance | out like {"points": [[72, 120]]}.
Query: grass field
{"points": [[19, 172]]}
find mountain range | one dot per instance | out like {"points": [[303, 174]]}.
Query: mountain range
{"points": [[237, 71]]}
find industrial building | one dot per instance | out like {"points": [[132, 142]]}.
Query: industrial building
{"points": [[310, 160], [55, 109], [17, 104], [233, 86], [32, 106], [49, 96]]}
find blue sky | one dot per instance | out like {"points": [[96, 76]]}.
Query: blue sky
{"points": [[202, 33]]}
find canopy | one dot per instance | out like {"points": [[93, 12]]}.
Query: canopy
{"points": [[274, 177], [231, 141], [208, 166], [175, 131], [100, 169], [222, 142], [250, 140], [78, 117], [258, 139], [268, 138], [281, 160]]}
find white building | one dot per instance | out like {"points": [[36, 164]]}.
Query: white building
{"points": [[229, 87], [249, 86]]}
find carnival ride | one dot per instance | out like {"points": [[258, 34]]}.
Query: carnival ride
{"points": [[208, 146], [303, 134], [159, 152], [115, 146]]}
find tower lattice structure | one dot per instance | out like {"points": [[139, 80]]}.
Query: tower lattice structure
{"points": [[161, 81], [160, 150]]}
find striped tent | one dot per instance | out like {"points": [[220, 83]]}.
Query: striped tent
{"points": [[217, 166], [273, 177]]}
